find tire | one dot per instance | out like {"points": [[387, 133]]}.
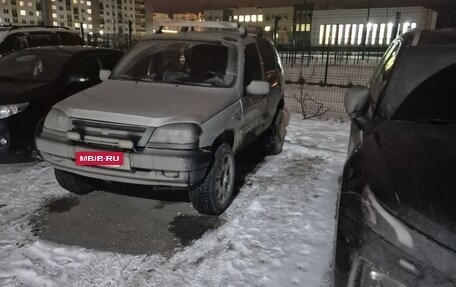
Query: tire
{"points": [[75, 183], [35, 153], [215, 194], [274, 137]]}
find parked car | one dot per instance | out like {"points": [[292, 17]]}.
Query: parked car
{"points": [[179, 106], [396, 218], [33, 80], [14, 38]]}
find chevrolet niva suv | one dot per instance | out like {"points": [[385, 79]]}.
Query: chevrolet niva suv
{"points": [[178, 106]]}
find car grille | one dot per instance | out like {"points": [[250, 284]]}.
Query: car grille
{"points": [[99, 133]]}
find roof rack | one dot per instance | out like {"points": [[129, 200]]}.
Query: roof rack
{"points": [[215, 25]]}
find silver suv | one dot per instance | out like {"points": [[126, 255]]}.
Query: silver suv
{"points": [[178, 106]]}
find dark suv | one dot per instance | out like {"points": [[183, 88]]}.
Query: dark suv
{"points": [[396, 218], [14, 38]]}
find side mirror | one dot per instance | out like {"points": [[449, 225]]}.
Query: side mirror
{"points": [[77, 79], [258, 88], [105, 74], [357, 104]]}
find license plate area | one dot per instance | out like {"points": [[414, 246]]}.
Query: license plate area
{"points": [[102, 159]]}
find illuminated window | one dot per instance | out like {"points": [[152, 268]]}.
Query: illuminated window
{"points": [[254, 18], [260, 18], [347, 34], [360, 34], [54, 7], [353, 34], [406, 27], [55, 23], [38, 14], [23, 12], [54, 15], [413, 26], [89, 3], [235, 17], [381, 35], [398, 30], [297, 27], [368, 32], [322, 33], [267, 28], [303, 27], [389, 33], [327, 33], [89, 11], [84, 26], [90, 26], [241, 18], [340, 34], [374, 33], [89, 18], [307, 27], [333, 34], [75, 1], [21, 3], [247, 18], [29, 4]]}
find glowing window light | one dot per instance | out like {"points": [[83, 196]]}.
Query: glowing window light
{"points": [[381, 34], [327, 34], [247, 18], [303, 27], [360, 33], [253, 18], [347, 34], [398, 30], [389, 33], [235, 17], [267, 28], [260, 18], [353, 34], [297, 27], [374, 33], [413, 26], [405, 27], [241, 18], [368, 32], [322, 34], [333, 34], [340, 34]]}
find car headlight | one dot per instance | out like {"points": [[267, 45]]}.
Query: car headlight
{"points": [[176, 134], [7, 111], [56, 120]]}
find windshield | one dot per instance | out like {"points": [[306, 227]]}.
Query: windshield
{"points": [[33, 65], [199, 63]]}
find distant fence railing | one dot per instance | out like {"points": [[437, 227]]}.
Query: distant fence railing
{"points": [[317, 78]]}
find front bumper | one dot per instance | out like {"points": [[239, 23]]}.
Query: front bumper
{"points": [[160, 167]]}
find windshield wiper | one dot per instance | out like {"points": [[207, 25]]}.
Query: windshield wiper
{"points": [[191, 83], [131, 78]]}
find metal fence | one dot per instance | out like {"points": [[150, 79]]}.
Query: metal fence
{"points": [[318, 78]]}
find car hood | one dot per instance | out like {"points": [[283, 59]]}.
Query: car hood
{"points": [[147, 104], [19, 92]]}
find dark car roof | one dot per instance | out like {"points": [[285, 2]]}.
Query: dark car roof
{"points": [[423, 54], [74, 50]]}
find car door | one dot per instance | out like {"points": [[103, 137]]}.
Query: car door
{"points": [[273, 75], [83, 73], [410, 160], [254, 106]]}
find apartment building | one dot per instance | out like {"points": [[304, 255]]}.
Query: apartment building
{"points": [[91, 16]]}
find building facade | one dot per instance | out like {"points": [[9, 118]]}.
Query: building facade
{"points": [[90, 16], [303, 25]]}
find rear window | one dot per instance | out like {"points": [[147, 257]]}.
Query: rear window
{"points": [[40, 39], [69, 39]]}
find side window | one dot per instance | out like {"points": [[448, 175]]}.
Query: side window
{"points": [[86, 68], [13, 43], [252, 69], [270, 63], [67, 38], [268, 55], [432, 100], [36, 39], [383, 71], [109, 61]]}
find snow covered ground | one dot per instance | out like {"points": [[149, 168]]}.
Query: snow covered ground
{"points": [[279, 230]]}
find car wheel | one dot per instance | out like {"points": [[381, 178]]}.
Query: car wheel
{"points": [[214, 195], [274, 137], [38, 129], [74, 183]]}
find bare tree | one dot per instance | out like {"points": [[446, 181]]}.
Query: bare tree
{"points": [[310, 108]]}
